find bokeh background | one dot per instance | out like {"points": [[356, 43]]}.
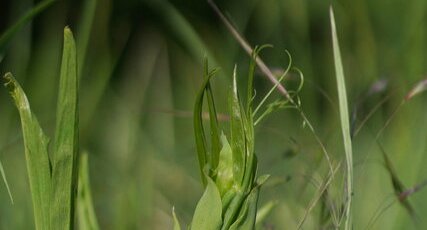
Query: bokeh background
{"points": [[140, 64]]}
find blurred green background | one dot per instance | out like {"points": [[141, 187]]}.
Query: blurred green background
{"points": [[140, 64]]}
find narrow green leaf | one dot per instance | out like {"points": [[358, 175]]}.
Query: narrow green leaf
{"points": [[8, 34], [207, 215], [64, 164], [199, 131], [3, 175], [215, 141], [344, 118], [86, 212], [176, 225], [36, 154], [238, 141], [246, 218], [232, 209], [250, 168]]}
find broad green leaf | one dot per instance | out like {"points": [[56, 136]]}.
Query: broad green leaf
{"points": [[36, 154], [224, 176], [3, 175], [214, 129], [64, 157], [207, 215], [238, 141], [176, 225], [344, 118], [86, 212], [8, 34]]}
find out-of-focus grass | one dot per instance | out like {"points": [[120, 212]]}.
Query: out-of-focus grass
{"points": [[139, 67]]}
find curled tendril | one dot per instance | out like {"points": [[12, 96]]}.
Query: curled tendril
{"points": [[275, 86], [286, 103]]}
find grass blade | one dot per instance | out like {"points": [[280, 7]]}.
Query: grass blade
{"points": [[7, 36], [36, 154], [64, 165], [86, 211], [344, 118], [3, 175], [83, 35]]}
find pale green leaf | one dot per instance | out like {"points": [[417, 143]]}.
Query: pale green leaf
{"points": [[224, 176], [207, 215], [344, 118], [36, 154], [176, 225]]}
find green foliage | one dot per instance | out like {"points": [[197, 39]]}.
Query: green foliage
{"points": [[232, 189], [137, 62], [53, 181]]}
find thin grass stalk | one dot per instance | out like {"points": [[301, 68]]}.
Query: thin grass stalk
{"points": [[30, 14], [3, 175], [344, 119]]}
